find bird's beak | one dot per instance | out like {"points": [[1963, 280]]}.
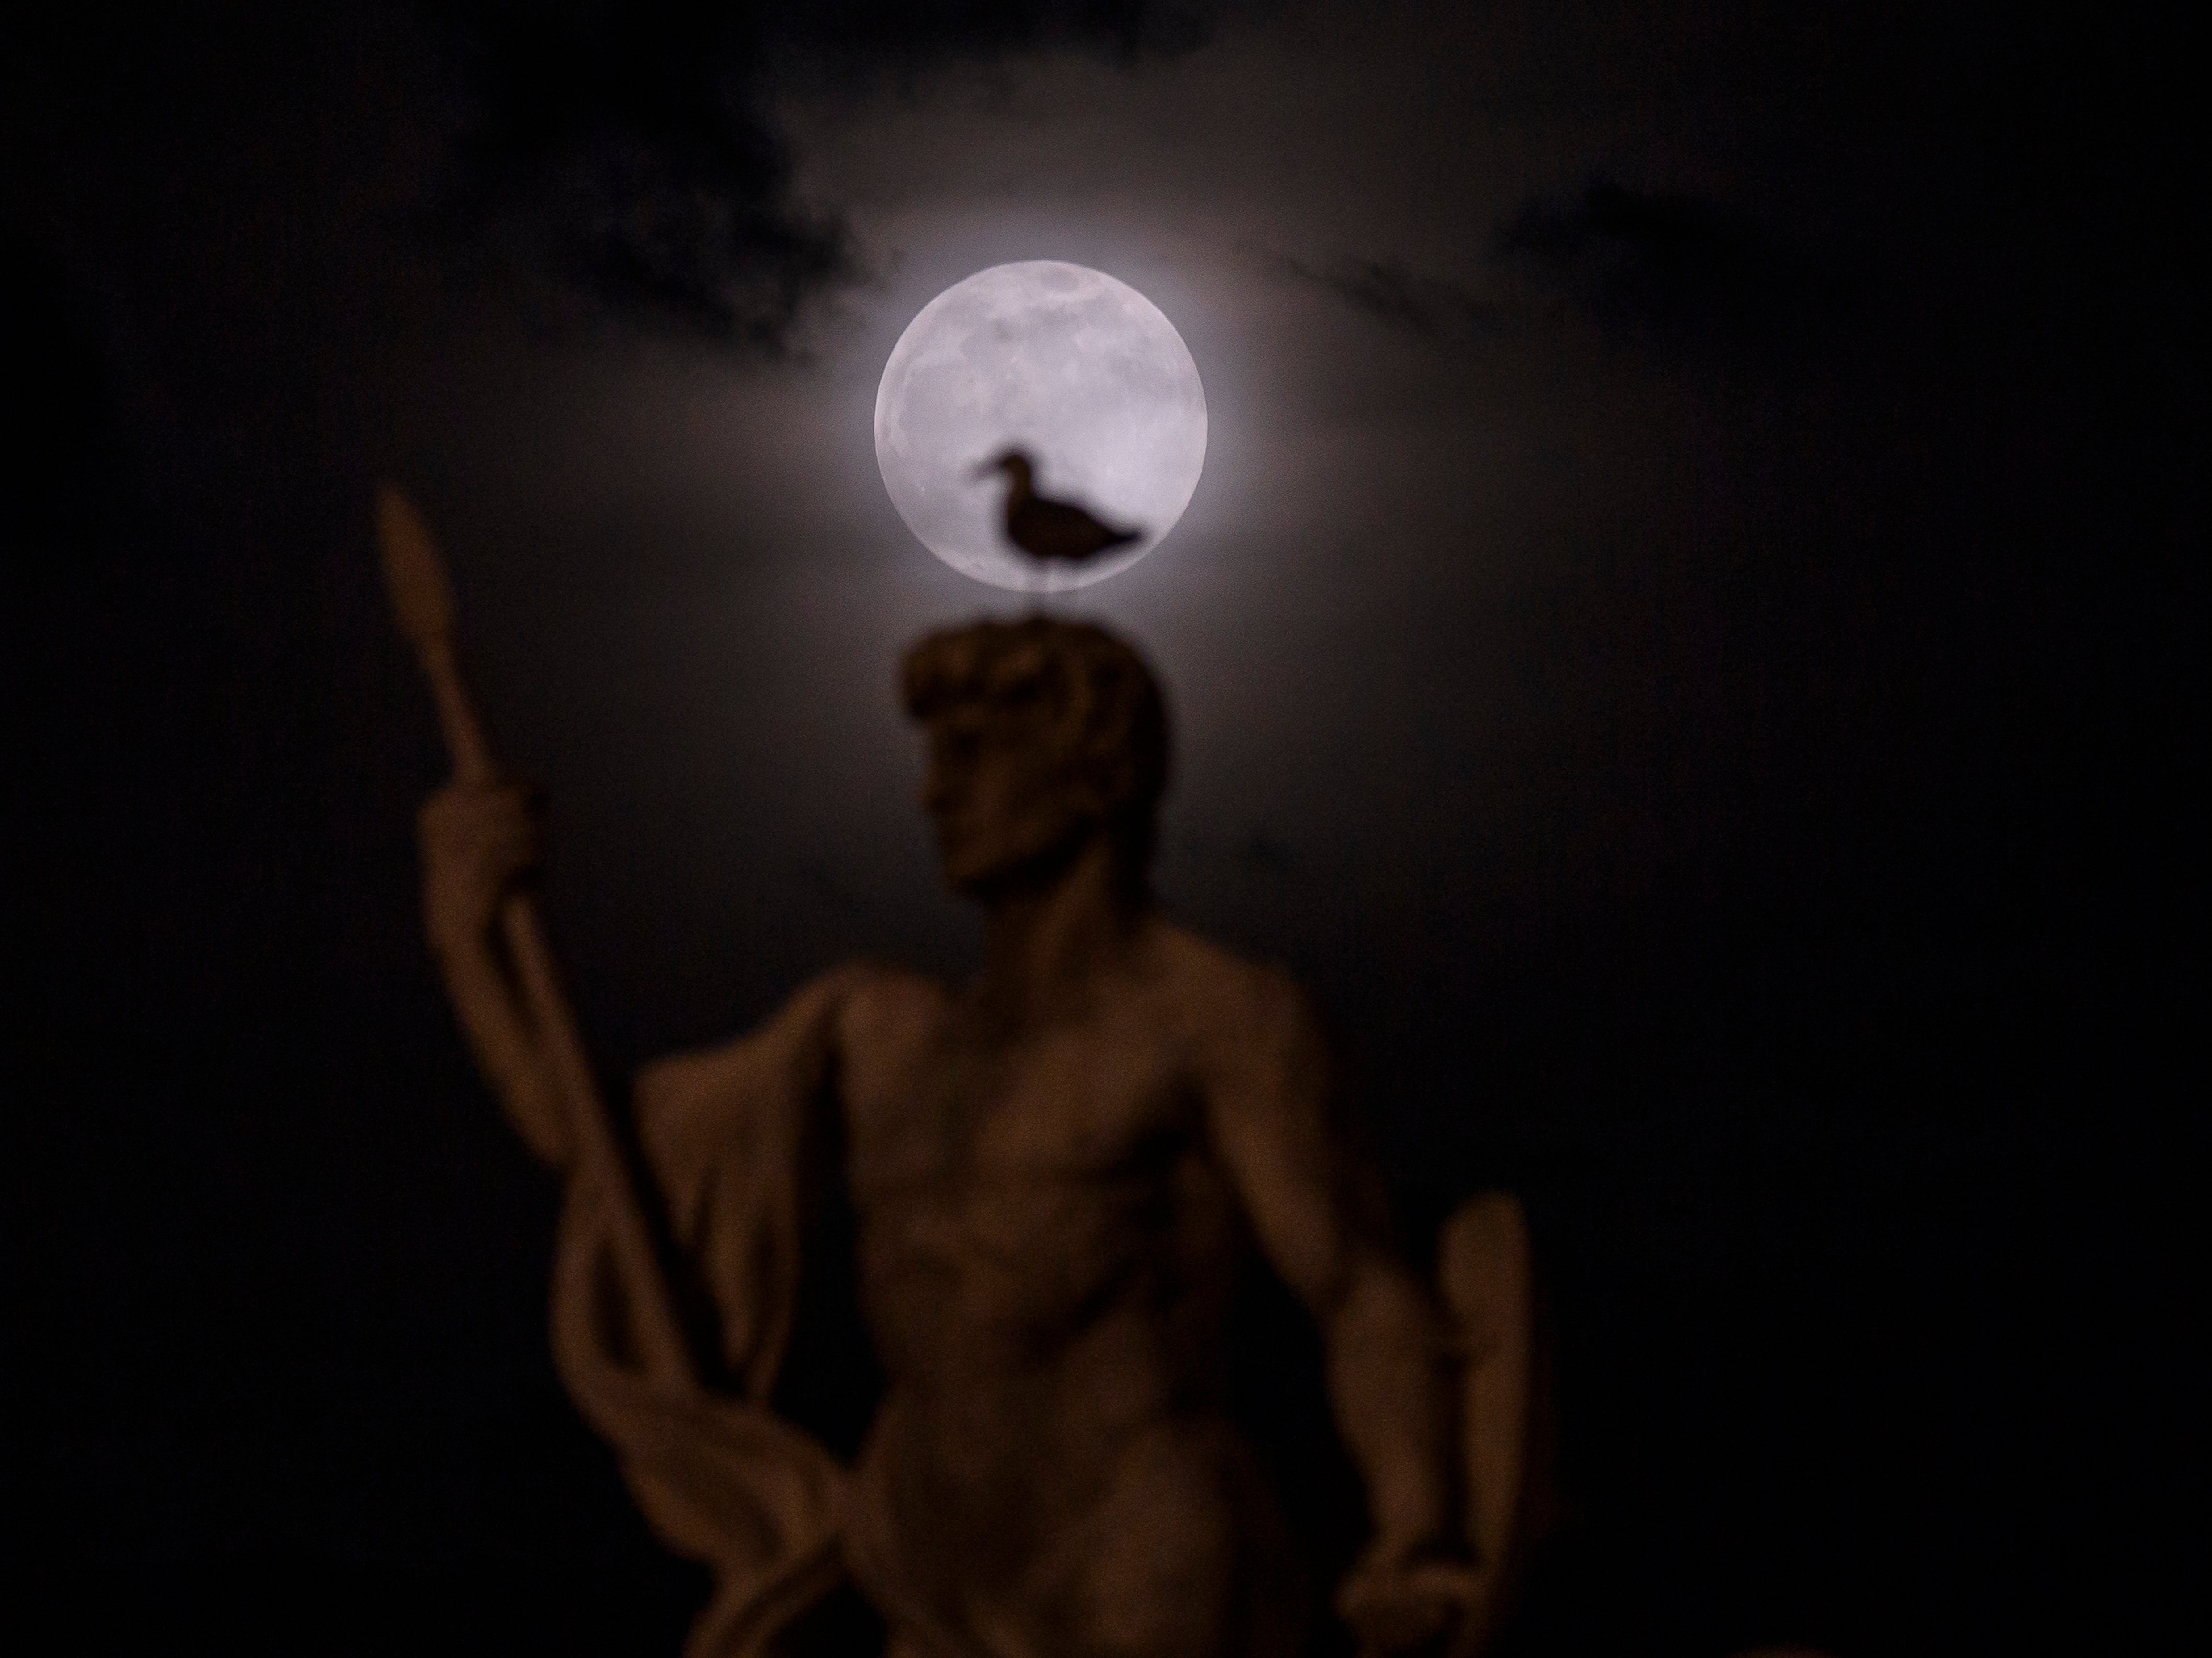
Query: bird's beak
{"points": [[985, 468]]}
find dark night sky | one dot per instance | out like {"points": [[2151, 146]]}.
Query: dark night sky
{"points": [[1688, 638]]}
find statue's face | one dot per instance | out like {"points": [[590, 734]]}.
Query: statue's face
{"points": [[1010, 803]]}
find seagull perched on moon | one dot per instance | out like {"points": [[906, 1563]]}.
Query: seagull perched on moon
{"points": [[1079, 369], [1045, 530]]}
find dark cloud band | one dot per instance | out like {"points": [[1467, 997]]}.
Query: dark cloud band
{"points": [[623, 154]]}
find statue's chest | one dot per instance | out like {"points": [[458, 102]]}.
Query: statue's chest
{"points": [[953, 1103]]}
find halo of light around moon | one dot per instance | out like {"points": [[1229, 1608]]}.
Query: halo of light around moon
{"points": [[1079, 369]]}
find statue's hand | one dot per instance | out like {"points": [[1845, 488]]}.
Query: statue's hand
{"points": [[479, 842], [1402, 1601]]}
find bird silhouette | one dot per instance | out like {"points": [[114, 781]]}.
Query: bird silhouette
{"points": [[1048, 531]]}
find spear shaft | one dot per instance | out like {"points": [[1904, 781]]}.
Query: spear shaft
{"points": [[422, 602]]}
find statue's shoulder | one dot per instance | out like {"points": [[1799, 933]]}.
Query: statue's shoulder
{"points": [[1222, 993], [786, 1052], [789, 1054], [871, 984], [873, 1009]]}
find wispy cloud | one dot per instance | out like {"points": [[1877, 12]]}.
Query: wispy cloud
{"points": [[1398, 297], [624, 151], [1659, 270], [1663, 268]]}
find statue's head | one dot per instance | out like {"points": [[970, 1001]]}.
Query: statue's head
{"points": [[1043, 737]]}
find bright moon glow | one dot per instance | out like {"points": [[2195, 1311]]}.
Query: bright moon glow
{"points": [[1062, 361]]}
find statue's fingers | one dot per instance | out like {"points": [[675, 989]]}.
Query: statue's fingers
{"points": [[487, 819], [1407, 1606], [466, 811], [1448, 1579], [511, 847], [439, 811], [514, 812]]}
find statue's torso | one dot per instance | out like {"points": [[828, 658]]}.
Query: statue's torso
{"points": [[1016, 1189], [1046, 1248]]}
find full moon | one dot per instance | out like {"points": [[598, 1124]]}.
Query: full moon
{"points": [[1062, 361]]}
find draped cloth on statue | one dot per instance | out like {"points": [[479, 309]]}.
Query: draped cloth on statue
{"points": [[729, 1138]]}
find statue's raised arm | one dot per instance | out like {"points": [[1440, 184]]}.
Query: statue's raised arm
{"points": [[479, 845], [509, 996], [720, 1478]]}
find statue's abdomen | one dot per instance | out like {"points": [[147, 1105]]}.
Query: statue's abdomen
{"points": [[960, 1279]]}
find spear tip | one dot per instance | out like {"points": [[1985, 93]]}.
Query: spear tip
{"points": [[422, 593]]}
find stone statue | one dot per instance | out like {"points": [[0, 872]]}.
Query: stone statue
{"points": [[1041, 1187]]}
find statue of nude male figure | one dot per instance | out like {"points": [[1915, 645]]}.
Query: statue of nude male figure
{"points": [[1054, 1172]]}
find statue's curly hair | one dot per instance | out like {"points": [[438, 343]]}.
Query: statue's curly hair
{"points": [[1094, 690]]}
